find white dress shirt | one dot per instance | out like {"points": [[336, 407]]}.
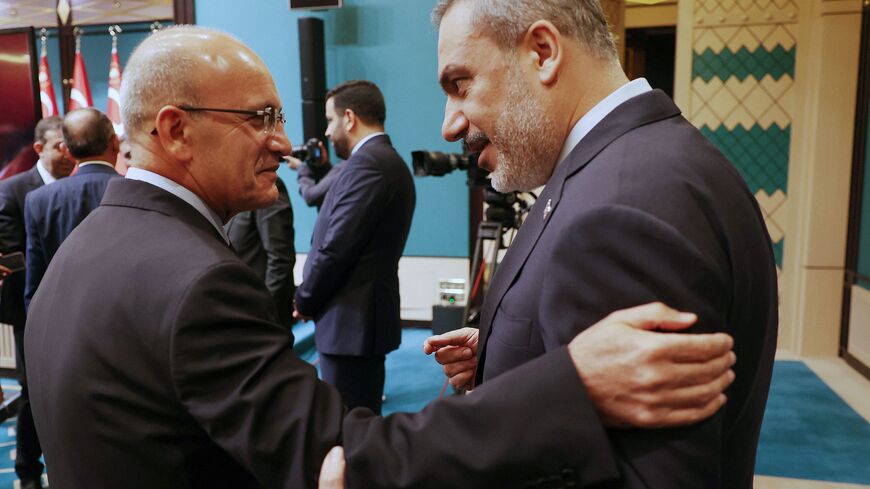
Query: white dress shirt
{"points": [[43, 172], [364, 140], [600, 111]]}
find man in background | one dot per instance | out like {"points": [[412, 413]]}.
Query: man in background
{"points": [[638, 207], [52, 165], [350, 284], [263, 239], [51, 213]]}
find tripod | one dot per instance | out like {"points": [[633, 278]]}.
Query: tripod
{"points": [[486, 231], [503, 214]]}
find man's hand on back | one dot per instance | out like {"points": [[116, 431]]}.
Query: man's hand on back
{"points": [[640, 378], [635, 377]]}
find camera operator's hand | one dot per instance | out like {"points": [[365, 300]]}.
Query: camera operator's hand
{"points": [[457, 352], [292, 162], [637, 377]]}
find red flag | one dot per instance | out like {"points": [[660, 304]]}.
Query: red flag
{"points": [[46, 89], [80, 95], [113, 109]]}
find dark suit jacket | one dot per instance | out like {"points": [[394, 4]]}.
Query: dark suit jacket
{"points": [[158, 363], [646, 209], [263, 239], [52, 212], [351, 285], [12, 239]]}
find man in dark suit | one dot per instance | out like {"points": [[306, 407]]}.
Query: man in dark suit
{"points": [[51, 213], [161, 363], [350, 284], [52, 165], [638, 206], [263, 239]]}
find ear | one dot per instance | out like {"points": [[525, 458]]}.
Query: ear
{"points": [[65, 150], [38, 147], [543, 43], [115, 144], [350, 119], [173, 132]]}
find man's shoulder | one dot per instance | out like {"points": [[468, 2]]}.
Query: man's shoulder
{"points": [[41, 193], [21, 181], [171, 237], [378, 155]]}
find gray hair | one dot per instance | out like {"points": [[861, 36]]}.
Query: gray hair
{"points": [[506, 21], [159, 73]]}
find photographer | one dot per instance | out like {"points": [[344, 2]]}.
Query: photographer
{"points": [[314, 180]]}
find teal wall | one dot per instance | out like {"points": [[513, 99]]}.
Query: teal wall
{"points": [[390, 42]]}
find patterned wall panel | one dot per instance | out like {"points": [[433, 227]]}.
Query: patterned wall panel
{"points": [[741, 93]]}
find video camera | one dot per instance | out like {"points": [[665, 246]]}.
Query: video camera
{"points": [[437, 164], [501, 208], [309, 153]]}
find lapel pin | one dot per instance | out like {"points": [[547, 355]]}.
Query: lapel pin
{"points": [[548, 208]]}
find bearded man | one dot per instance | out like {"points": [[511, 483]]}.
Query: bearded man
{"points": [[638, 206]]}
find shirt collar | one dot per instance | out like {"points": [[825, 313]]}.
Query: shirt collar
{"points": [[46, 176], [182, 193], [97, 162], [365, 140], [600, 111]]}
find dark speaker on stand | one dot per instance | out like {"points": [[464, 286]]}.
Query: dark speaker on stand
{"points": [[312, 64]]}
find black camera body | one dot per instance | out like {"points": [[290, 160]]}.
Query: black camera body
{"points": [[436, 164], [309, 153], [501, 208]]}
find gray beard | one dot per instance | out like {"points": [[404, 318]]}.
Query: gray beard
{"points": [[526, 139]]}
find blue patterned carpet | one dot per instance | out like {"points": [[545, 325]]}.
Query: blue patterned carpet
{"points": [[808, 431]]}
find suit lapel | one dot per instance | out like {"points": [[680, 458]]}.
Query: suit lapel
{"points": [[636, 112]]}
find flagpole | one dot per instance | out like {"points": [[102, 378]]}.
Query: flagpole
{"points": [[113, 101]]}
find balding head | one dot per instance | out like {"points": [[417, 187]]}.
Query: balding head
{"points": [[175, 66], [88, 134], [201, 109]]}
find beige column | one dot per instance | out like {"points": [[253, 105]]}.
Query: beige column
{"points": [[819, 176]]}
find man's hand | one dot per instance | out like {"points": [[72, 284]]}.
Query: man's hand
{"points": [[3, 273], [298, 315], [457, 352], [640, 378], [332, 470], [292, 162]]}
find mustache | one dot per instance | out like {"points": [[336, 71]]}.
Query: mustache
{"points": [[475, 142]]}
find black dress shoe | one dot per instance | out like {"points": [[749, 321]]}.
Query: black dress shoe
{"points": [[31, 484]]}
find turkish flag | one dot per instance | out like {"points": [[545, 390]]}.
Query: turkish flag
{"points": [[80, 95], [46, 89], [113, 109]]}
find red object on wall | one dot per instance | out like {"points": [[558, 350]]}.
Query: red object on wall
{"points": [[46, 89], [20, 106]]}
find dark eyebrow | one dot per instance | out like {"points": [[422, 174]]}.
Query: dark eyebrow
{"points": [[448, 73]]}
